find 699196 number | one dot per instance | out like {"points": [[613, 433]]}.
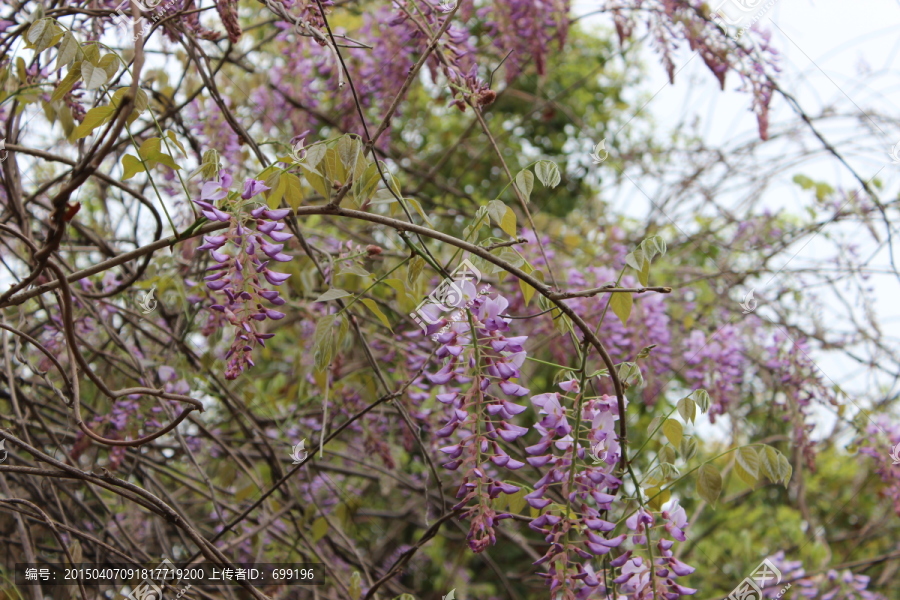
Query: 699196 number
{"points": [[293, 574]]}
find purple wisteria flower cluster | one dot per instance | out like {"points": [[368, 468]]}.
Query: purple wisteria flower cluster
{"points": [[243, 276], [832, 585], [579, 496], [480, 417], [479, 373]]}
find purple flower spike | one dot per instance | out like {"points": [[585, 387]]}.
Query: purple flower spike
{"points": [[274, 314]]}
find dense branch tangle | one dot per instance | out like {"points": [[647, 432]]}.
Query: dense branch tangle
{"points": [[148, 449]]}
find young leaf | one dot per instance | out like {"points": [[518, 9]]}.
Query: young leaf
{"points": [[93, 76], [547, 172], [525, 183], [132, 166], [42, 34], [319, 529], [785, 470], [66, 84], [94, 118], [332, 294], [701, 397], [323, 341], [666, 454], [374, 308], [414, 269], [673, 431], [687, 409], [688, 448], [709, 483], [69, 51], [314, 155], [355, 588], [748, 460], [768, 463], [621, 304], [656, 498]]}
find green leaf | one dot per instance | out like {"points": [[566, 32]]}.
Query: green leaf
{"points": [[323, 341], [418, 206], [666, 454], [709, 483], [503, 216], [414, 269], [630, 374], [132, 166], [688, 448], [645, 352], [332, 294], [652, 246], [525, 183], [69, 51], [110, 64], [621, 304], [673, 431], [768, 463], [517, 501], [169, 134], [93, 76], [785, 470], [398, 286], [687, 409], [744, 475], [94, 118], [42, 34], [654, 424], [314, 155], [701, 397], [319, 529], [317, 181], [548, 173], [355, 588], [66, 84], [293, 192], [748, 460], [657, 498], [374, 308]]}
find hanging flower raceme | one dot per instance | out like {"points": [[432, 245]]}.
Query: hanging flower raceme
{"points": [[480, 417], [241, 274]]}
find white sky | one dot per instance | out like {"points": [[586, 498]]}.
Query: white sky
{"points": [[833, 54]]}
